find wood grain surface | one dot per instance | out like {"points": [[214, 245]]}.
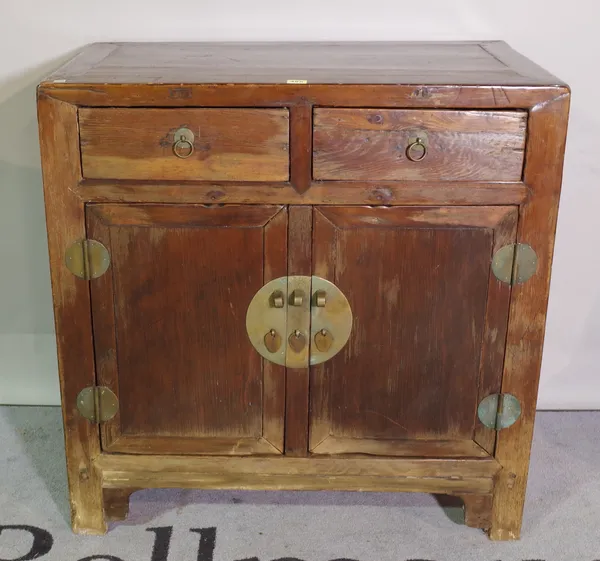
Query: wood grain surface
{"points": [[528, 306], [373, 144], [112, 464], [71, 296], [453, 476], [485, 95], [381, 62], [301, 147], [478, 510], [416, 193], [116, 503], [410, 371], [170, 331], [297, 379], [230, 144]]}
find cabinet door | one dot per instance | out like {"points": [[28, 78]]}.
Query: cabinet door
{"points": [[169, 327], [429, 328]]}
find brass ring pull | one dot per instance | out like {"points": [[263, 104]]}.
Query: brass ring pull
{"points": [[182, 144], [418, 143]]}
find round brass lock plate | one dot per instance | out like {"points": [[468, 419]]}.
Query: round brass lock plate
{"points": [[266, 320], [282, 311], [331, 323]]}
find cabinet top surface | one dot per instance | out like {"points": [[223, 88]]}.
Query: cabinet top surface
{"points": [[445, 63]]}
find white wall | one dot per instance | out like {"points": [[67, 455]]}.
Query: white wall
{"points": [[36, 35]]}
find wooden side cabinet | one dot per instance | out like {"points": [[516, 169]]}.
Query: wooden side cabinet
{"points": [[301, 266]]}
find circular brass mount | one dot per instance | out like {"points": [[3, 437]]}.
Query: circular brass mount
{"points": [[282, 306]]}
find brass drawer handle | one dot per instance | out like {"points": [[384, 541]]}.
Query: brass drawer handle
{"points": [[416, 150], [183, 147]]}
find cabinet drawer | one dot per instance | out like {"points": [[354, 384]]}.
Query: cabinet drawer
{"points": [[227, 144], [432, 145]]}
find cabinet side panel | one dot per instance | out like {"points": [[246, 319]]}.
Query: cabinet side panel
{"points": [[537, 223], [66, 224]]}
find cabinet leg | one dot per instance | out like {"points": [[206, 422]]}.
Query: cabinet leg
{"points": [[85, 490], [478, 511], [116, 503], [509, 499]]}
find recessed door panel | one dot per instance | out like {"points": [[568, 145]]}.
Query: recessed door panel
{"points": [[427, 339], [169, 324]]}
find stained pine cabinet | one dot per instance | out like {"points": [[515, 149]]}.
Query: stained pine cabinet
{"points": [[308, 266]]}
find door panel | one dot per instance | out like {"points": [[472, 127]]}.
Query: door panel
{"points": [[169, 324], [428, 334]]}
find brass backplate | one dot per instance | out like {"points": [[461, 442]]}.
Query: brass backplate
{"points": [[499, 411], [265, 315], [299, 320], [514, 268], [87, 259], [333, 320], [97, 404]]}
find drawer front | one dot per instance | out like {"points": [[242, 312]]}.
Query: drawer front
{"points": [[227, 144], [433, 145]]}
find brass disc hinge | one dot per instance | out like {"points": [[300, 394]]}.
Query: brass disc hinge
{"points": [[97, 404], [87, 259], [299, 320], [499, 411], [514, 263]]}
